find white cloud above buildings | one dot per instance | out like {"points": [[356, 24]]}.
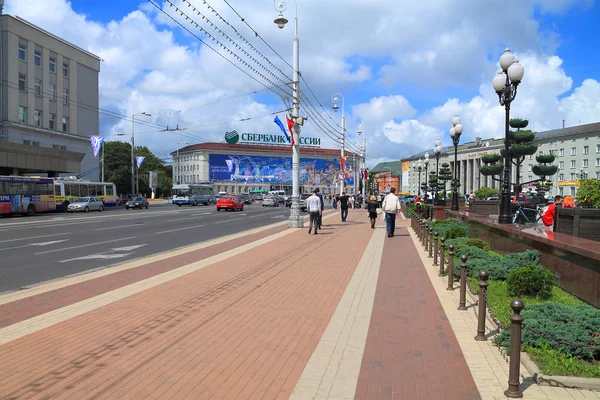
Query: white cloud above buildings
{"points": [[393, 64]]}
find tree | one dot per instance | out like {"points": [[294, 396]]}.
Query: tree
{"points": [[445, 175]]}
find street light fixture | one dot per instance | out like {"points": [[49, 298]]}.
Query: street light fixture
{"points": [[144, 114], [505, 84], [438, 151], [418, 166], [363, 154], [336, 98], [296, 220], [178, 163], [426, 163], [455, 132]]}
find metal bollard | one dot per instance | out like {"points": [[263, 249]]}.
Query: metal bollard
{"points": [[483, 276], [436, 243], [442, 256], [425, 235], [462, 304], [430, 242], [420, 225], [514, 372], [450, 268]]}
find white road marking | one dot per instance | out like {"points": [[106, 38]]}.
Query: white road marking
{"points": [[85, 245], [128, 248], [278, 216], [35, 237], [204, 213], [231, 220], [117, 227], [98, 257], [179, 229], [34, 244]]}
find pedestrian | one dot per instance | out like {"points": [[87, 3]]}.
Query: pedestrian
{"points": [[391, 208], [344, 199], [313, 205], [335, 201], [372, 206], [550, 211], [322, 207]]}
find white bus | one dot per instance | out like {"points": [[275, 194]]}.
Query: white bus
{"points": [[67, 189], [194, 194]]}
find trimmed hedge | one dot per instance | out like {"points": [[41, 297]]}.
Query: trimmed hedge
{"points": [[450, 229], [530, 281], [578, 324]]}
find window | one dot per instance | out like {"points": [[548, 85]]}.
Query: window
{"points": [[52, 122], [65, 70], [63, 147], [65, 124], [573, 176], [586, 149], [598, 148], [52, 65], [65, 96], [529, 167], [38, 87], [35, 143], [585, 163], [531, 157], [561, 177], [598, 175], [37, 116], [553, 152], [53, 92], [597, 162], [561, 152], [572, 190], [37, 58], [573, 164], [22, 82], [27, 142], [23, 115], [561, 165], [22, 52], [573, 151], [55, 146]]}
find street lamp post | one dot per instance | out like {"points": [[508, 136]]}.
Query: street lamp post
{"points": [[418, 167], [437, 150], [336, 98], [178, 163], [426, 163], [296, 220], [145, 114], [505, 84], [455, 132], [363, 155]]}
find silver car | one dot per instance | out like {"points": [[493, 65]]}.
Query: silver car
{"points": [[270, 201], [86, 204]]}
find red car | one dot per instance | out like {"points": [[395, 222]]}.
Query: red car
{"points": [[230, 203]]}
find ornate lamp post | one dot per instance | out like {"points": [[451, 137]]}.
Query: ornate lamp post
{"points": [[336, 98], [363, 155], [418, 167], [437, 150], [455, 132], [426, 163], [505, 84], [296, 220]]}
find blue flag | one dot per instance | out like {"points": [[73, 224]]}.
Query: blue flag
{"points": [[280, 124], [139, 160], [96, 143]]}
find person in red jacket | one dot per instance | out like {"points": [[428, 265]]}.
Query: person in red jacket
{"points": [[550, 213]]}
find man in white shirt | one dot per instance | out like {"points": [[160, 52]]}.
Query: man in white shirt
{"points": [[313, 206], [391, 208]]}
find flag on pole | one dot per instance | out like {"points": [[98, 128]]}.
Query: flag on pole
{"points": [[96, 143], [343, 163], [280, 125], [290, 125], [139, 160]]}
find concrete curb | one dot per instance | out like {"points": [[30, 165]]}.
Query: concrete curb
{"points": [[571, 382]]}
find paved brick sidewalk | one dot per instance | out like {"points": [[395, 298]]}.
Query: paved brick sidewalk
{"points": [[243, 327], [411, 351]]}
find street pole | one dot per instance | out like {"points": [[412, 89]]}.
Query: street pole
{"points": [[103, 162], [335, 98], [363, 151], [296, 220], [455, 133], [133, 187]]}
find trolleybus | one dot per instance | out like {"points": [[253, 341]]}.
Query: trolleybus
{"points": [[26, 195]]}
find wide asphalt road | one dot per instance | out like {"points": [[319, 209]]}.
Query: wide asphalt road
{"points": [[49, 246]]}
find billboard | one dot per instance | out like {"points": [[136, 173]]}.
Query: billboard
{"points": [[405, 168], [265, 169]]}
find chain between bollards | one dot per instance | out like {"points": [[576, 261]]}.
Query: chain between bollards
{"points": [[430, 242], [483, 276], [462, 304], [442, 255], [435, 248], [451, 268], [514, 373]]}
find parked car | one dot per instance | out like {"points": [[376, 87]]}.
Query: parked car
{"points": [[205, 199], [303, 198], [246, 198], [270, 201], [137, 202], [86, 204], [229, 202]]}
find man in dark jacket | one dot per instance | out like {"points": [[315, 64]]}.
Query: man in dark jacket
{"points": [[322, 207]]}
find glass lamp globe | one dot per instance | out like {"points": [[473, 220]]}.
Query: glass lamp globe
{"points": [[506, 59], [516, 72], [499, 82], [452, 132], [459, 129], [455, 120]]}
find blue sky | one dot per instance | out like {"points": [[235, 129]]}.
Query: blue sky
{"points": [[403, 71]]}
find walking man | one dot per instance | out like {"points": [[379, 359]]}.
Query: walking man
{"points": [[391, 207], [344, 199], [313, 205], [322, 207]]}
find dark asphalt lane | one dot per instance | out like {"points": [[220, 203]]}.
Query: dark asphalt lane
{"points": [[34, 250]]}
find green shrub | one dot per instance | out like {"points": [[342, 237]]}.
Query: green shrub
{"points": [[485, 192], [497, 266], [461, 242], [456, 228], [531, 280], [579, 324], [456, 231], [411, 208], [516, 260]]}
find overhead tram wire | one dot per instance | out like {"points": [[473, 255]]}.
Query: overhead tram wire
{"points": [[273, 85]]}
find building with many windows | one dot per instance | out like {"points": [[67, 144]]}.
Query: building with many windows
{"points": [[577, 149], [48, 103]]}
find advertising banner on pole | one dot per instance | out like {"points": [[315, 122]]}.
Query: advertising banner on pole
{"points": [[405, 167], [153, 179], [313, 171]]}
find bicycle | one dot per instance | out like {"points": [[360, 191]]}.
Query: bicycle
{"points": [[525, 215]]}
